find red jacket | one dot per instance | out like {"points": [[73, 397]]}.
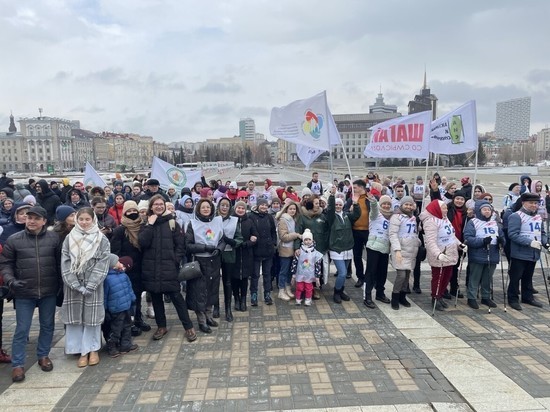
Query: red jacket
{"points": [[116, 212]]}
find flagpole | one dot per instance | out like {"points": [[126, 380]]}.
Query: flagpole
{"points": [[475, 174], [329, 145], [425, 180], [347, 163]]}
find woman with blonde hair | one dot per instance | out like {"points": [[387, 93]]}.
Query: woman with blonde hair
{"points": [[289, 229]]}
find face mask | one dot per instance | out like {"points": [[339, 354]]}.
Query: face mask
{"points": [[133, 216]]}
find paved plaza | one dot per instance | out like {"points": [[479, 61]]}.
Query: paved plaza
{"points": [[285, 357]]}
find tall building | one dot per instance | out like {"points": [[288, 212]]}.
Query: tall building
{"points": [[543, 144], [513, 119], [424, 101], [380, 107], [247, 129]]}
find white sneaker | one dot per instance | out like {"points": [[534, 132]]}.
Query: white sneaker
{"points": [[288, 291], [283, 295], [307, 302], [150, 312], [298, 302]]}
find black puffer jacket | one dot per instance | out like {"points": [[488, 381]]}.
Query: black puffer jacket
{"points": [[244, 262], [267, 234], [162, 249], [48, 200], [121, 246], [33, 259]]}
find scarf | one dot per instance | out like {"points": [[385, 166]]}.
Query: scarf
{"points": [[83, 245], [132, 229]]}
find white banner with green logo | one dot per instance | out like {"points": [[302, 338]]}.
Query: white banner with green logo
{"points": [[456, 132], [168, 174]]}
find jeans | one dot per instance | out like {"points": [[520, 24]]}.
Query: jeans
{"points": [[342, 271], [284, 272], [480, 274], [265, 265], [23, 316]]}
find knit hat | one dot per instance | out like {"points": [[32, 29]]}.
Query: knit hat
{"points": [[242, 193], [459, 193], [143, 204], [129, 204], [511, 187], [282, 183], [261, 201], [233, 185], [62, 212], [269, 182], [406, 199], [307, 235], [113, 260], [222, 189], [30, 199], [127, 261], [204, 191], [276, 200], [529, 197], [306, 192], [240, 203], [384, 199], [486, 194], [185, 191]]}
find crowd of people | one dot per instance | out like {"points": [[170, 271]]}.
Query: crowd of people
{"points": [[96, 251]]}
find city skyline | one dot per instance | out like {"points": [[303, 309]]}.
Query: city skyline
{"points": [[180, 71]]}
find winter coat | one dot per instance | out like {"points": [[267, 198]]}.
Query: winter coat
{"points": [[525, 188], [374, 242], [244, 253], [407, 245], [115, 212], [477, 251], [520, 244], [5, 215], [542, 203], [20, 193], [202, 291], [121, 246], [318, 224], [431, 225], [289, 241], [148, 195], [82, 202], [229, 254], [267, 234], [118, 292], [341, 235], [48, 200], [162, 248], [105, 220], [78, 309], [33, 259]]}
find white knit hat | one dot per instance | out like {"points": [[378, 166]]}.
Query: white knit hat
{"points": [[143, 204], [307, 235]]}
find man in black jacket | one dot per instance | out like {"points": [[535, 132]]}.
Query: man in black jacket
{"points": [[263, 251], [47, 199], [29, 263]]}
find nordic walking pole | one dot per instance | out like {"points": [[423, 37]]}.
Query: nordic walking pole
{"points": [[502, 273], [488, 265], [543, 275], [462, 257], [437, 289]]}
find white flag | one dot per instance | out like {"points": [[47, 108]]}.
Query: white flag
{"points": [[308, 154], [168, 174], [456, 132], [402, 138], [91, 178], [304, 122]]}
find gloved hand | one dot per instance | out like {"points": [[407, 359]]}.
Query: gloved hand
{"points": [[215, 252], [487, 241], [500, 241], [229, 241], [442, 257], [17, 284], [535, 244], [463, 247], [209, 248]]}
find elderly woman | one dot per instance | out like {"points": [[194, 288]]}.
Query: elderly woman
{"points": [[84, 266]]}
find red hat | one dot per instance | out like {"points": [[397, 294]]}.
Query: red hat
{"points": [[127, 262], [242, 193], [375, 193], [204, 192]]}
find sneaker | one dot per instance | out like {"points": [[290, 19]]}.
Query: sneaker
{"points": [[473, 303], [532, 302], [288, 291], [267, 298], [254, 299], [307, 302], [283, 295], [4, 357], [150, 312], [298, 302], [135, 330]]}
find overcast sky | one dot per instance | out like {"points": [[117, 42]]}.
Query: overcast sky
{"points": [[188, 70]]}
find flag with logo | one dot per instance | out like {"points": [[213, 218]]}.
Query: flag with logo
{"points": [[168, 174], [456, 132], [305, 122], [92, 178], [401, 138]]}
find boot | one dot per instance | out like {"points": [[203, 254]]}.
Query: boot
{"points": [[238, 307], [267, 298], [344, 297], [254, 299], [395, 301], [138, 321], [283, 295], [216, 311], [288, 291], [228, 314], [438, 305], [243, 304], [112, 349], [337, 298], [403, 299]]}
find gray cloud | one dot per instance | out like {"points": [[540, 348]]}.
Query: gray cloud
{"points": [[215, 86]]}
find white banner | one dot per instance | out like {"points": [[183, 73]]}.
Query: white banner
{"points": [[403, 137], [303, 122], [308, 154], [168, 174], [91, 178], [456, 132]]}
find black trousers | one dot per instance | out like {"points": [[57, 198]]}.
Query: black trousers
{"points": [[120, 329], [239, 288], [360, 238], [377, 272], [521, 271], [179, 304], [226, 282]]}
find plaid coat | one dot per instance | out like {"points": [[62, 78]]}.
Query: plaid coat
{"points": [[78, 309]]}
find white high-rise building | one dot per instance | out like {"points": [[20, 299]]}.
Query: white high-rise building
{"points": [[513, 119], [247, 129]]}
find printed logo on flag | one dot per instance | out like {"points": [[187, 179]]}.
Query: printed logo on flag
{"points": [[176, 176], [456, 130], [313, 124], [89, 182]]}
